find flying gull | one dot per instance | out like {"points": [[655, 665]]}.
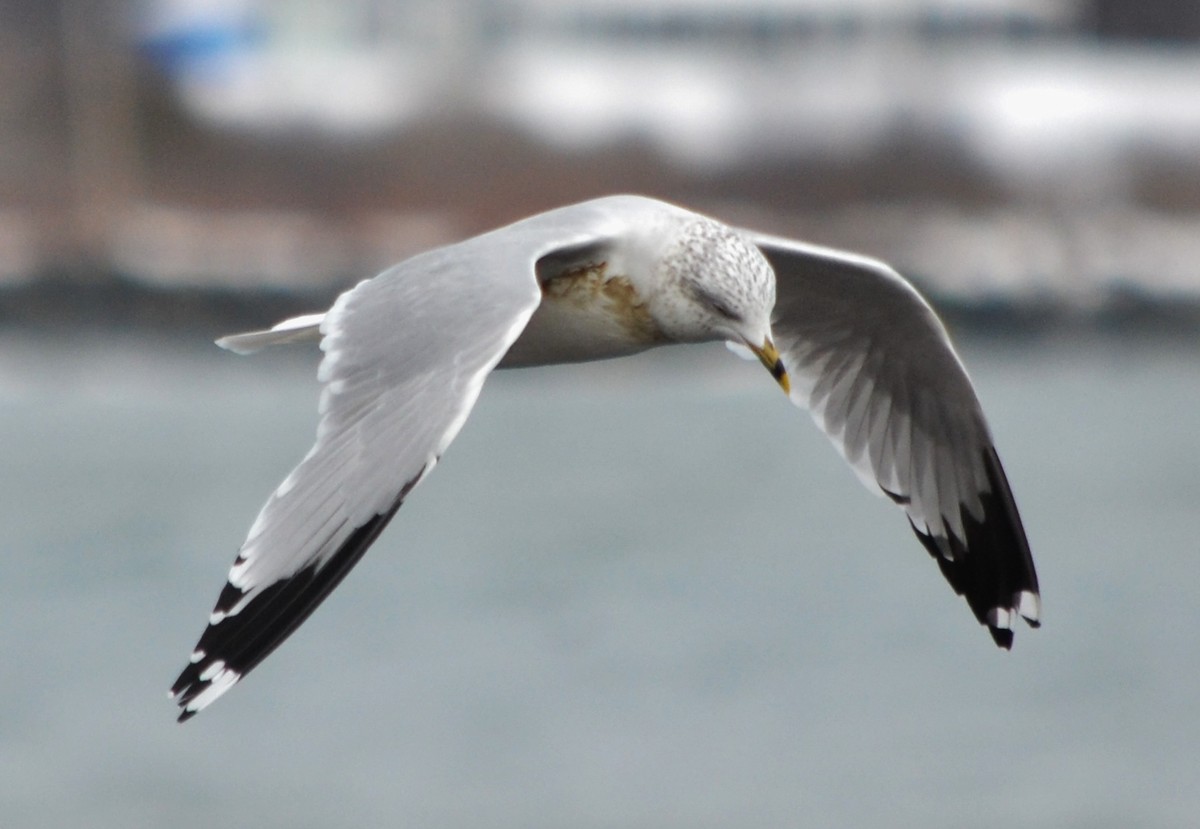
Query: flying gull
{"points": [[407, 352]]}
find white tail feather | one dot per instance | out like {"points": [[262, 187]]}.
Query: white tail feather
{"points": [[295, 330]]}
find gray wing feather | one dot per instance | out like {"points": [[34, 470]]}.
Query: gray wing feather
{"points": [[406, 354], [873, 364]]}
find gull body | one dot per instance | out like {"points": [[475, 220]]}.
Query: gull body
{"points": [[407, 352]]}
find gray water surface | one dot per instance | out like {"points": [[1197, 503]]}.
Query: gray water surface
{"points": [[637, 594]]}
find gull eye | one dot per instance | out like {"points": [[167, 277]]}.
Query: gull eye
{"points": [[717, 306]]}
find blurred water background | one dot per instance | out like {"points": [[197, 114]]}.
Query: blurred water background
{"points": [[636, 594]]}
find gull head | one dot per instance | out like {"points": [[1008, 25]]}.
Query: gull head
{"points": [[717, 285]]}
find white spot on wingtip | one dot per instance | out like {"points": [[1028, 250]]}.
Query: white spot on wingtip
{"points": [[1028, 605], [212, 671], [237, 574], [221, 682], [218, 616], [1000, 617], [196, 656]]}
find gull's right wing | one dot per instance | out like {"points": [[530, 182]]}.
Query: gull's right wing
{"points": [[871, 361]]}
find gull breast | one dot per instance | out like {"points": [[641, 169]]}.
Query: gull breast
{"points": [[586, 313]]}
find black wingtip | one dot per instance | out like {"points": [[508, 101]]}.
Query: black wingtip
{"points": [[1002, 636], [234, 644], [992, 567], [188, 685]]}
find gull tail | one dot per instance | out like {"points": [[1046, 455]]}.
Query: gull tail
{"points": [[295, 330]]}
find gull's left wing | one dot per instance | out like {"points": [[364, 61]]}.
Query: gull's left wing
{"points": [[873, 364]]}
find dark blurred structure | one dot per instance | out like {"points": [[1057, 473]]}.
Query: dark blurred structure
{"points": [[1162, 20], [1005, 151]]}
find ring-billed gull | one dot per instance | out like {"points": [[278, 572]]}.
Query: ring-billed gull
{"points": [[407, 352]]}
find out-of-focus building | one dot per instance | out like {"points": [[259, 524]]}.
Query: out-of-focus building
{"points": [[1011, 84], [294, 140]]}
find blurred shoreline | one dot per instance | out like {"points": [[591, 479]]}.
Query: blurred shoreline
{"points": [[1023, 173], [231, 229], [64, 304]]}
